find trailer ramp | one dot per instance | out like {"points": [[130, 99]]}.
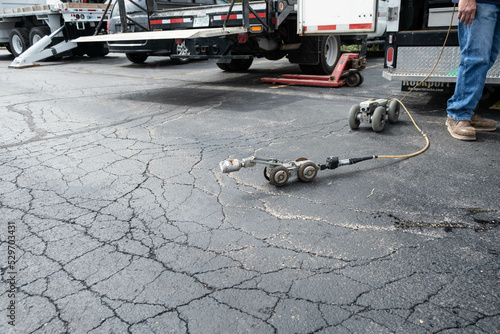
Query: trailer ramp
{"points": [[158, 35]]}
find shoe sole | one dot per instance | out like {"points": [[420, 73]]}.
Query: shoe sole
{"points": [[454, 135], [485, 129]]}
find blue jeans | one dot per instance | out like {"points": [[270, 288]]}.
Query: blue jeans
{"points": [[479, 46]]}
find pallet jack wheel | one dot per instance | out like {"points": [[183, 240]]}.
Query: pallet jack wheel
{"points": [[354, 79], [353, 117], [393, 111], [279, 176], [307, 171], [378, 119]]}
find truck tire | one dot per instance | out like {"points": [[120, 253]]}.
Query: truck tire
{"points": [[37, 33], [96, 50], [7, 46], [275, 55], [236, 65], [137, 58], [328, 49], [19, 41]]}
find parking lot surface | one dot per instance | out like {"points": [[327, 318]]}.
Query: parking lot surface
{"points": [[115, 217]]}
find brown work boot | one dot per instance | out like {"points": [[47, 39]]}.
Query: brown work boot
{"points": [[482, 124], [461, 129]]}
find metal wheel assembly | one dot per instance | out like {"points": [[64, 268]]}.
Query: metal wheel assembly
{"points": [[307, 171], [377, 112], [279, 176]]}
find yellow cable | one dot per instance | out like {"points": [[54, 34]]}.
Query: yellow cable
{"points": [[427, 142], [412, 154]]}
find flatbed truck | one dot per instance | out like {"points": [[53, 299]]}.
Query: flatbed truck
{"points": [[23, 23]]}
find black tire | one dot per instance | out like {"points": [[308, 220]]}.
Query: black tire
{"points": [[19, 41], [378, 119], [223, 66], [307, 69], [328, 52], [275, 55], [353, 117], [181, 49], [37, 33], [236, 65], [266, 173], [137, 58], [96, 50], [354, 79]]}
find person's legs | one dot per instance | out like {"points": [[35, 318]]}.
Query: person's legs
{"points": [[478, 45], [479, 48], [477, 122]]}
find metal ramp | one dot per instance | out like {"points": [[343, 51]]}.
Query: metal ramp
{"points": [[167, 34], [39, 52]]}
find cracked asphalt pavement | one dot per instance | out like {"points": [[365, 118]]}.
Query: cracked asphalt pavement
{"points": [[120, 220]]}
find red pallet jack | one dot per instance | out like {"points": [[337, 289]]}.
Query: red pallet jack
{"points": [[347, 72]]}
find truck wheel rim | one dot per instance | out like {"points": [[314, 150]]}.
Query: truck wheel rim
{"points": [[182, 50], [17, 46], [35, 39], [331, 51]]}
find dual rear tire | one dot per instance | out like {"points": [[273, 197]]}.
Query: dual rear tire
{"points": [[20, 39]]}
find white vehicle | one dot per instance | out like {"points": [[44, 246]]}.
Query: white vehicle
{"points": [[25, 22], [307, 32], [416, 31]]}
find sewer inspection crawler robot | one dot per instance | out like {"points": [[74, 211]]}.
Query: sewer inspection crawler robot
{"points": [[279, 172], [376, 112]]}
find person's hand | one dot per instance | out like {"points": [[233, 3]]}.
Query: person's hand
{"points": [[466, 11]]}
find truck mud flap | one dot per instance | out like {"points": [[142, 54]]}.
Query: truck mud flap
{"points": [[307, 53]]}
